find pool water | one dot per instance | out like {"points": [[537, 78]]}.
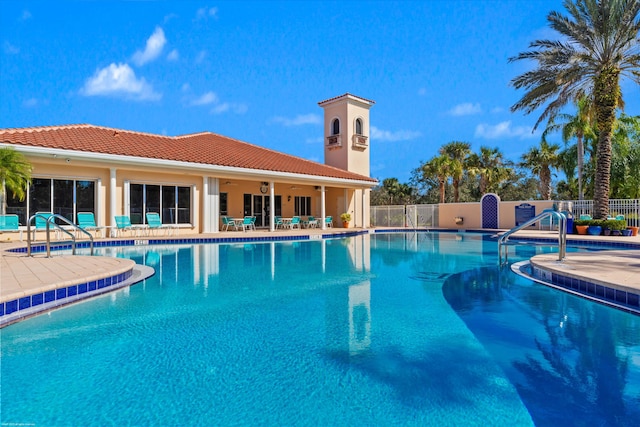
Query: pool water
{"points": [[386, 329]]}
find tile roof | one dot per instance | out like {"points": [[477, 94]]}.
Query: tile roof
{"points": [[347, 95], [201, 148]]}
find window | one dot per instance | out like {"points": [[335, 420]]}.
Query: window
{"points": [[223, 204], [173, 203], [65, 197], [335, 127], [358, 127], [302, 205]]}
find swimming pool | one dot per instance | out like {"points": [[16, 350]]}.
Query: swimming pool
{"points": [[403, 328]]}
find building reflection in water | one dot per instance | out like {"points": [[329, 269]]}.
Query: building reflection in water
{"points": [[336, 268]]}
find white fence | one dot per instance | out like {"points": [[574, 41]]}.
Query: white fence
{"points": [[427, 215], [404, 216], [630, 208]]}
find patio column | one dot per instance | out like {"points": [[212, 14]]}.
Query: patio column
{"points": [[272, 206], [323, 209], [112, 201]]}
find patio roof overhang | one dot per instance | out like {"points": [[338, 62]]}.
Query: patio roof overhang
{"points": [[113, 160]]}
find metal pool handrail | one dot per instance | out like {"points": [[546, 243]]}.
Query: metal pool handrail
{"points": [[562, 234], [49, 221]]}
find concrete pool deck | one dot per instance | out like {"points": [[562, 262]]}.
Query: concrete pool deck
{"points": [[21, 275]]}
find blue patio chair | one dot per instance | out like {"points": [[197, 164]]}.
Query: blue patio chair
{"points": [[123, 223], [9, 223], [87, 221], [278, 222], [328, 221], [155, 223], [228, 222], [310, 222], [248, 223], [295, 222], [41, 222]]}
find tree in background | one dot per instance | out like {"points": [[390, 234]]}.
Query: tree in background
{"points": [[599, 46], [438, 167], [15, 176], [580, 126], [490, 166], [541, 160], [625, 159], [458, 154]]}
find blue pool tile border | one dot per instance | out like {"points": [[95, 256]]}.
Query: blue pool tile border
{"points": [[620, 299], [39, 248], [14, 310]]}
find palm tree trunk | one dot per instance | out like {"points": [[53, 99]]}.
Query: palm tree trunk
{"points": [[442, 182], [606, 95], [580, 166]]}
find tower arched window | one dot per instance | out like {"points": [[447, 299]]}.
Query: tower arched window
{"points": [[358, 127], [335, 127]]}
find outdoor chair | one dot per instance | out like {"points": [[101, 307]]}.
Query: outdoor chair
{"points": [[248, 223], [585, 217], [41, 219], [228, 222], [328, 222], [310, 222], [123, 223], [278, 222], [155, 223], [87, 221], [295, 222], [9, 223]]}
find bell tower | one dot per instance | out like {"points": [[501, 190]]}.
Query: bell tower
{"points": [[346, 133]]}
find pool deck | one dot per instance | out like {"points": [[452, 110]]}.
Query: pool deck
{"points": [[21, 275]]}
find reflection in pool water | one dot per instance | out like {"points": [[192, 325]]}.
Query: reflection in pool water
{"points": [[408, 329]]}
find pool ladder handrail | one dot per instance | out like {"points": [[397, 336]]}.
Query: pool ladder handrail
{"points": [[50, 220], [562, 234]]}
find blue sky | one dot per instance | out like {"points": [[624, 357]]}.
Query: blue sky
{"points": [[255, 71]]}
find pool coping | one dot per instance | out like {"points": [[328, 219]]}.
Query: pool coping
{"points": [[592, 289], [14, 310]]}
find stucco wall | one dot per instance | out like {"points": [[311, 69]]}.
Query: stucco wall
{"points": [[471, 213]]}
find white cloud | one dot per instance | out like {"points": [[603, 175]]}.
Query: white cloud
{"points": [[204, 13], [118, 80], [316, 140], [206, 99], [152, 50], [300, 119], [173, 55], [10, 49], [226, 106], [385, 135], [503, 130], [202, 55], [496, 110], [465, 109]]}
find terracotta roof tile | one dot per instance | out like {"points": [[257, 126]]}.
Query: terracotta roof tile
{"points": [[202, 148]]}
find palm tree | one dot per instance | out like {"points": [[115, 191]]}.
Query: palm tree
{"points": [[391, 187], [600, 46], [440, 168], [541, 160], [458, 152], [15, 176], [489, 164], [579, 126]]}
